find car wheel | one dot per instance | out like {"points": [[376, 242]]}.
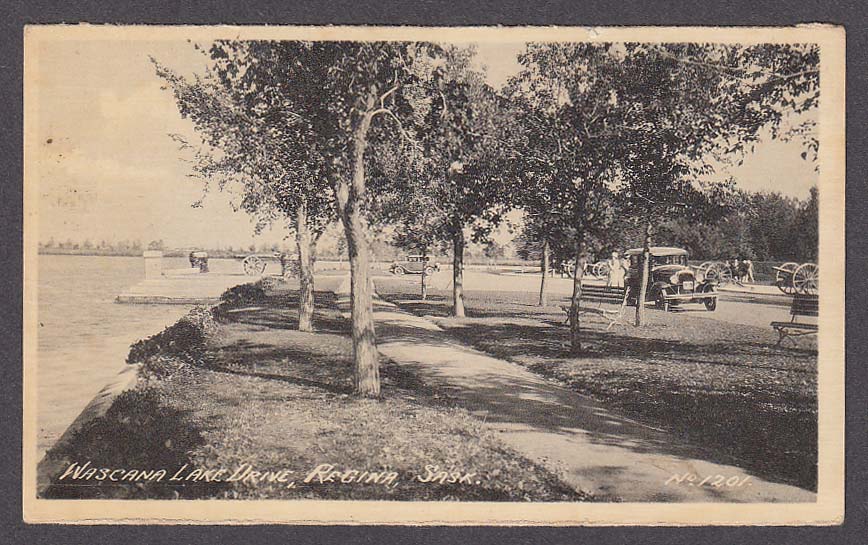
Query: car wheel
{"points": [[429, 271], [399, 270]]}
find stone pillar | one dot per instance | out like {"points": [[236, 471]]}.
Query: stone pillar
{"points": [[153, 264]]}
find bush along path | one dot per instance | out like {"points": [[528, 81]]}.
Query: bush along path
{"points": [[235, 402], [610, 456]]}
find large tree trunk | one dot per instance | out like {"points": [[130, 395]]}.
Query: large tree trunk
{"points": [[544, 266], [350, 200], [305, 270], [646, 271], [575, 302], [458, 272]]}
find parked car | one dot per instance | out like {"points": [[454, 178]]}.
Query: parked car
{"points": [[671, 281], [415, 264]]}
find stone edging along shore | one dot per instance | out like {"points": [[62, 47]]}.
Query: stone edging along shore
{"points": [[125, 380]]}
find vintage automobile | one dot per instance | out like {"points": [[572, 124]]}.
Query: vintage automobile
{"points": [[671, 281], [415, 264]]}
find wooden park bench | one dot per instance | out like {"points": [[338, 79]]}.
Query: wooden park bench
{"points": [[601, 295], [802, 306]]}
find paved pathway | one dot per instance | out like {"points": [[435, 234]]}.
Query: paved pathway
{"points": [[600, 452]]}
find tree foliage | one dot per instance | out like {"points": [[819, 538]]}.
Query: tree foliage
{"points": [[763, 226], [641, 125], [455, 179], [252, 135]]}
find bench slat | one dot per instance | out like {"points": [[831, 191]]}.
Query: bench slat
{"points": [[805, 305], [603, 295], [603, 289], [793, 325]]}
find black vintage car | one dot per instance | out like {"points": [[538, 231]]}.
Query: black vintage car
{"points": [[671, 282], [415, 264]]}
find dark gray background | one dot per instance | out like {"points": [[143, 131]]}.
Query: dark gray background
{"points": [[15, 14]]}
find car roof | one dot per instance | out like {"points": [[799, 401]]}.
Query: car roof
{"points": [[658, 251]]}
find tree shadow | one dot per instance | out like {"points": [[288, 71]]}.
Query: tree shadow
{"points": [[333, 388], [279, 311], [138, 432], [324, 362]]}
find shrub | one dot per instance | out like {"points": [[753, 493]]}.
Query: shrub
{"points": [[184, 341], [203, 318], [243, 294], [273, 282], [159, 367]]}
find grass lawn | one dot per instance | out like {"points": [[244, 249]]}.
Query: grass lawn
{"points": [[715, 384], [268, 397]]}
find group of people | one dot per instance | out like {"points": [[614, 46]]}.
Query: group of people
{"points": [[742, 270], [618, 268], [618, 265]]}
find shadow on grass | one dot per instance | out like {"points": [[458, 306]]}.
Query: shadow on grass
{"points": [[288, 362], [137, 433], [550, 340], [440, 306], [279, 311], [323, 357]]}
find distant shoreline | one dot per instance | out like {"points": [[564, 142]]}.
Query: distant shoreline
{"points": [[224, 254], [128, 253]]}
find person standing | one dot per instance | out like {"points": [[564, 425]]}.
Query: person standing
{"points": [[749, 268], [616, 271], [733, 269]]}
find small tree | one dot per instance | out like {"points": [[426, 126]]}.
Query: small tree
{"points": [[367, 93], [255, 138], [344, 96], [460, 176], [562, 94]]}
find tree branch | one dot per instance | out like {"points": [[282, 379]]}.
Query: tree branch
{"points": [[748, 76], [385, 95]]}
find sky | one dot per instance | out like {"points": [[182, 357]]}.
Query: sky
{"points": [[107, 168]]}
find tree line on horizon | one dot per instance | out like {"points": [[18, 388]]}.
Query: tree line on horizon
{"points": [[409, 138], [383, 248]]}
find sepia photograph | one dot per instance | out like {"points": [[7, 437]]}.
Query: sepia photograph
{"points": [[410, 275]]}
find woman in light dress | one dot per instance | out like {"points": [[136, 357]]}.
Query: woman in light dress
{"points": [[616, 271], [748, 277]]}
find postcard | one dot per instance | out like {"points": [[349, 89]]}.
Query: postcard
{"points": [[434, 276]]}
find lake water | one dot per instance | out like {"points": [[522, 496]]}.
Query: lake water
{"points": [[83, 336]]}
